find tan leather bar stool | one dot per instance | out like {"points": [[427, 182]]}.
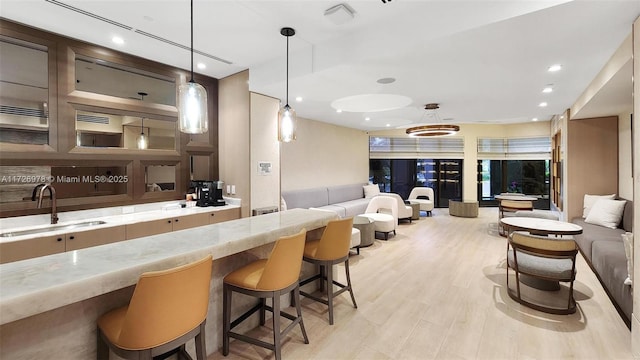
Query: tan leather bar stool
{"points": [[332, 248], [267, 278], [168, 308]]}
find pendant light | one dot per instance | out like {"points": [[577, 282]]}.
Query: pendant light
{"points": [[143, 141], [287, 115], [192, 101], [433, 130]]}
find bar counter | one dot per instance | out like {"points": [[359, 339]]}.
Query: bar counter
{"points": [[49, 305]]}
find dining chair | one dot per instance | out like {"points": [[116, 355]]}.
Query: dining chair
{"points": [[543, 258]]}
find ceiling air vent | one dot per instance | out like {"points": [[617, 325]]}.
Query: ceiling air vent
{"points": [[20, 111], [93, 119], [127, 27]]}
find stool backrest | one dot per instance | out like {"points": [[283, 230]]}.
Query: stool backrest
{"points": [[283, 266], [336, 240], [167, 304]]}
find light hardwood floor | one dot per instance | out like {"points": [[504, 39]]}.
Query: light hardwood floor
{"points": [[437, 291]]}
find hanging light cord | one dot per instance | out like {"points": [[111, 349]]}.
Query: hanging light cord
{"points": [[191, 41], [287, 70]]}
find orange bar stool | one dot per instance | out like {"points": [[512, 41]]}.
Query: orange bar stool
{"points": [[168, 308], [267, 278], [332, 248]]}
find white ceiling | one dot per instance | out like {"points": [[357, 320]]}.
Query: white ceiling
{"points": [[483, 61]]}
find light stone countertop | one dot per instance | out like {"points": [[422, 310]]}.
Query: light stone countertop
{"points": [[37, 285], [156, 213]]}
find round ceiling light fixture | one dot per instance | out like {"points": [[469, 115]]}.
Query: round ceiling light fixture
{"points": [[433, 130], [387, 80]]}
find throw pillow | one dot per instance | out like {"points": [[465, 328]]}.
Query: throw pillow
{"points": [[607, 213], [627, 239], [371, 190], [589, 200]]}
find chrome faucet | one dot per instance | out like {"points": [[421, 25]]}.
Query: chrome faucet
{"points": [[52, 195]]}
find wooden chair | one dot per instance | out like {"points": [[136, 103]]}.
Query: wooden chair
{"points": [[541, 257], [510, 207], [168, 308], [267, 278], [332, 248]]}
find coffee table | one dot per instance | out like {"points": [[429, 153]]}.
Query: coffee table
{"points": [[540, 226]]}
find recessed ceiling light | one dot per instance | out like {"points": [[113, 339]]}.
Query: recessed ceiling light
{"points": [[543, 104], [388, 125], [554, 68], [201, 66], [339, 110], [534, 119], [561, 116], [298, 98], [388, 80], [117, 40], [547, 89], [367, 119]]}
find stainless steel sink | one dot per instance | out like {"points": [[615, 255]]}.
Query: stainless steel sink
{"points": [[52, 228]]}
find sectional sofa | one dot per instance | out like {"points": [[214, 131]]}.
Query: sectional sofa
{"points": [[345, 200], [603, 249]]}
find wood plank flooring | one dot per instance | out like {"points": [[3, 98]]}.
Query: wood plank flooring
{"points": [[437, 291]]}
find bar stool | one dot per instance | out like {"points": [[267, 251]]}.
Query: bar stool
{"points": [[332, 248], [267, 278], [167, 309]]}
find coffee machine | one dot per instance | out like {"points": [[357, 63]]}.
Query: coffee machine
{"points": [[208, 193]]}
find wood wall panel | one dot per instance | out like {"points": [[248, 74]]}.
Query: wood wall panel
{"points": [[592, 160], [64, 100]]}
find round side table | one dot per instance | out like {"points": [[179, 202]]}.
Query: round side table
{"points": [[367, 230], [415, 207]]}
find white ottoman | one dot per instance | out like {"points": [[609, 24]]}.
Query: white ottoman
{"points": [[383, 223]]}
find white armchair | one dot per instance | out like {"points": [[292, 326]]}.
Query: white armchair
{"points": [[383, 210], [417, 195], [404, 212]]}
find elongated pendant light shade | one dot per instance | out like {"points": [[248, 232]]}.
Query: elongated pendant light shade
{"points": [[142, 140], [287, 115], [192, 101]]}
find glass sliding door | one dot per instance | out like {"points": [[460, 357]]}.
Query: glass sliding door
{"points": [[530, 177], [449, 184], [403, 176]]}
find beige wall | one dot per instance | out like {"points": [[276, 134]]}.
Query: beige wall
{"points": [[635, 324], [471, 133], [625, 180], [265, 189], [324, 155], [234, 136]]}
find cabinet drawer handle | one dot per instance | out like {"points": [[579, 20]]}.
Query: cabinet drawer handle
{"points": [[177, 220], [59, 239], [71, 237], [168, 221], [213, 214]]}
